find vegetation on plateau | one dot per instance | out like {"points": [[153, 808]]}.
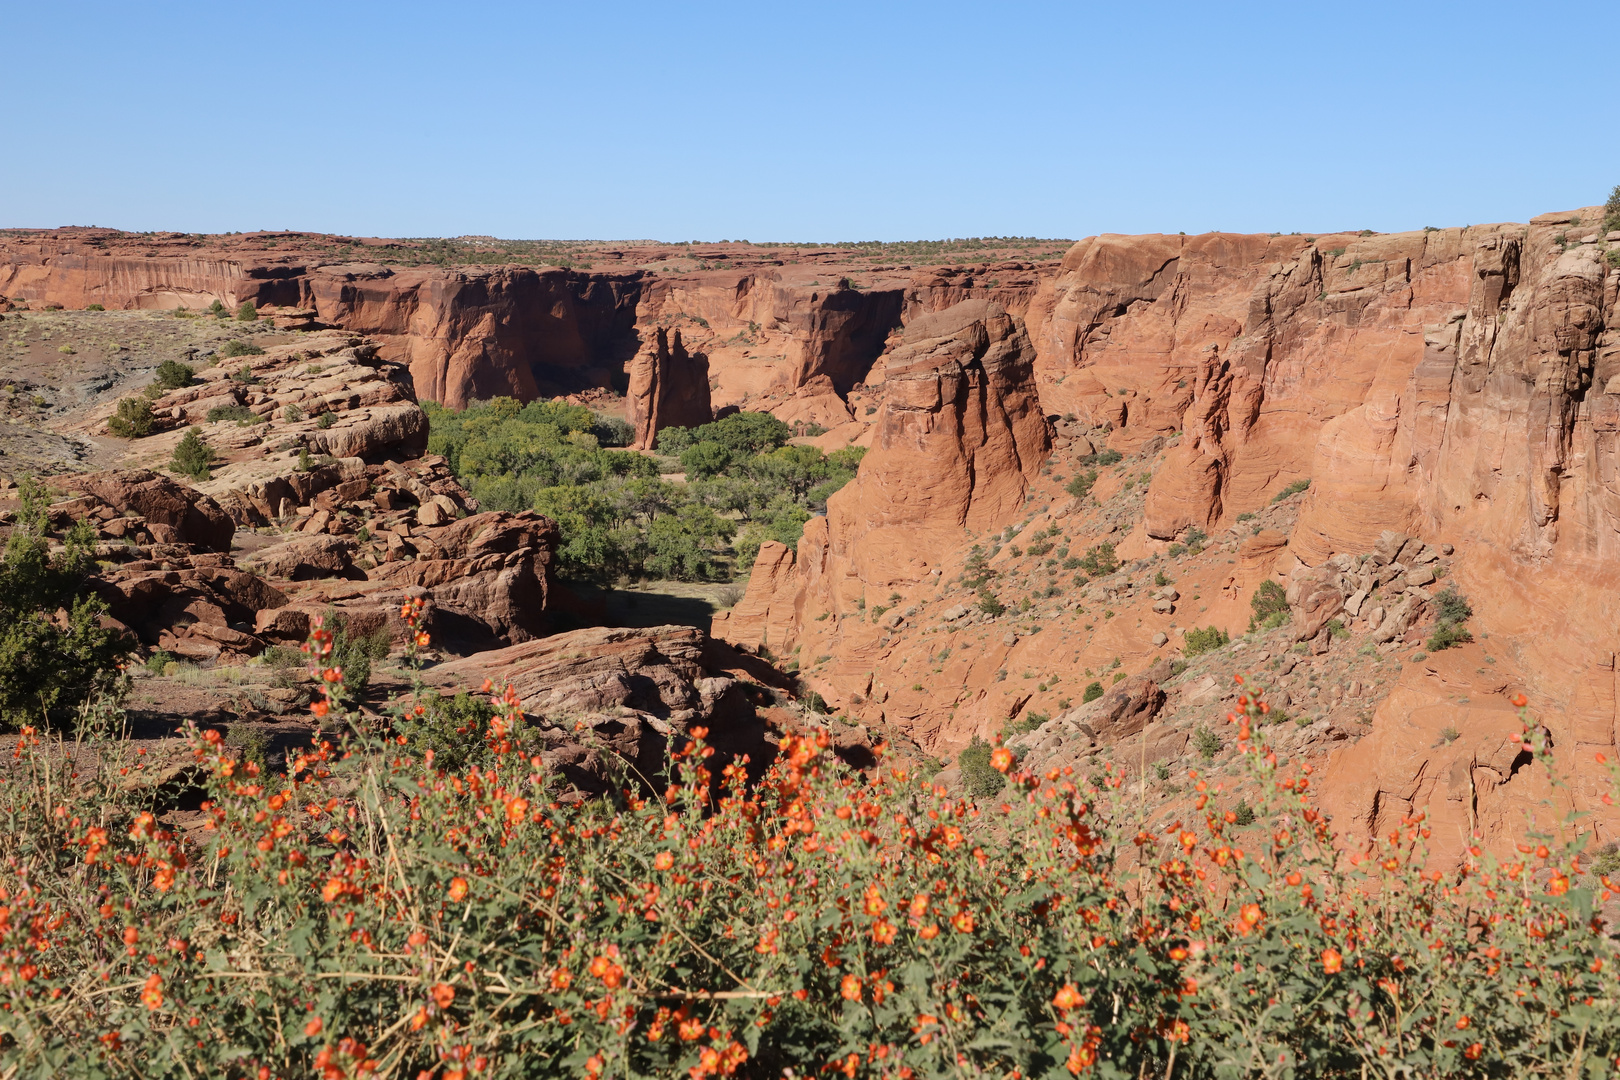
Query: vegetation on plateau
{"points": [[744, 485]]}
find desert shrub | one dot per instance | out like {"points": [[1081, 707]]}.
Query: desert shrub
{"points": [[1206, 742], [452, 732], [218, 310], [1447, 635], [240, 413], [172, 375], [1611, 211], [990, 604], [234, 348], [1243, 813], [133, 418], [812, 701], [979, 777], [1451, 610], [1270, 604], [50, 663], [193, 457], [1081, 483], [293, 413], [94, 307], [469, 922], [1208, 639], [613, 431], [325, 420], [1292, 489], [1094, 690], [1452, 606], [1100, 560], [247, 312], [1102, 457], [353, 652]]}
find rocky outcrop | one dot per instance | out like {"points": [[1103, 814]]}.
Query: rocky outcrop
{"points": [[669, 387], [196, 606], [629, 692], [490, 570], [167, 511], [959, 436], [957, 441]]}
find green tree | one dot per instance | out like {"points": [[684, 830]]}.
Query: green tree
{"points": [[685, 545], [132, 420], [193, 457], [172, 375], [54, 652], [705, 459], [247, 312]]}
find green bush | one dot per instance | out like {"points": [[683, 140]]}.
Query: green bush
{"points": [[54, 652], [160, 659], [247, 312], [234, 348], [353, 652], [218, 310], [1103, 457], [1094, 691], [1446, 635], [1270, 604], [455, 730], [172, 375], [1206, 640], [193, 457], [240, 413], [1611, 211], [133, 418], [293, 414], [990, 604], [1080, 484], [1206, 742], [1292, 489], [325, 420], [1243, 813], [94, 307], [1452, 606], [1100, 560], [1452, 610], [979, 777]]}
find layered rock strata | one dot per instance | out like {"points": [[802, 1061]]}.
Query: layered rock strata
{"points": [[669, 387]]}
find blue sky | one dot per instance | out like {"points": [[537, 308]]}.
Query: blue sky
{"points": [[824, 122]]}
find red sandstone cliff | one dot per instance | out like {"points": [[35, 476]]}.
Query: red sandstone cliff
{"points": [[669, 387], [1454, 384], [770, 328]]}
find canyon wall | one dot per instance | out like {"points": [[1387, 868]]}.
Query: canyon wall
{"points": [[770, 329], [1460, 385]]}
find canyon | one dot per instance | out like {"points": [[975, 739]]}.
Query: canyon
{"points": [[1363, 419]]}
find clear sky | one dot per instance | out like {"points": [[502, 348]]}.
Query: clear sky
{"points": [[797, 121]]}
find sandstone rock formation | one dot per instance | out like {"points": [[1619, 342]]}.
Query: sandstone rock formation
{"points": [[669, 387], [168, 512], [958, 438], [633, 692]]}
